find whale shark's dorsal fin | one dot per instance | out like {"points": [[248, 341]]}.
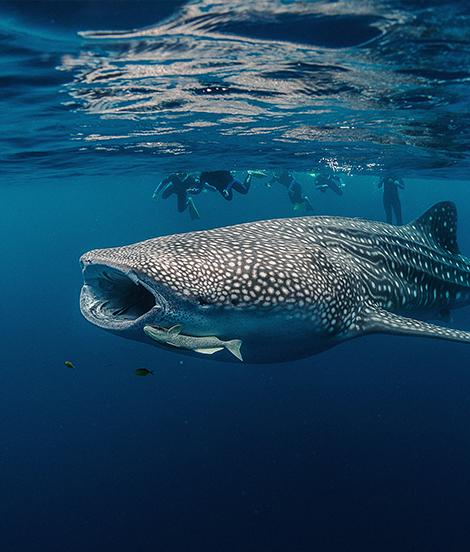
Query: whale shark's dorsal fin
{"points": [[378, 320], [440, 224]]}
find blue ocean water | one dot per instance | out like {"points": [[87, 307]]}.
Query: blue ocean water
{"points": [[364, 447]]}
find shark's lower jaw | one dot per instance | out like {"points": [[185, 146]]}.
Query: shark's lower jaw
{"points": [[118, 300]]}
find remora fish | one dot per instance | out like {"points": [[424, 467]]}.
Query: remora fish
{"points": [[205, 345], [287, 288]]}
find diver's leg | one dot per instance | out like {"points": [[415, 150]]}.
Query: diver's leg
{"points": [[182, 202], [308, 204], [247, 183], [238, 186], [295, 192], [388, 209], [193, 212], [164, 183], [227, 193], [168, 191], [291, 197], [397, 209]]}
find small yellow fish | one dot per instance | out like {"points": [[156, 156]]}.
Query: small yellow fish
{"points": [[143, 372], [69, 364]]}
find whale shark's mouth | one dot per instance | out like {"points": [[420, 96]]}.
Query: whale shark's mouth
{"points": [[117, 299]]}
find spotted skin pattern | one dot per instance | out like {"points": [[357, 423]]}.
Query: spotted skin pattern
{"points": [[290, 288]]}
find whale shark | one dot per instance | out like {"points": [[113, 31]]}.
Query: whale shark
{"points": [[285, 289]]}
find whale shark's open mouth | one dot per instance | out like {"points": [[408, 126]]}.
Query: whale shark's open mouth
{"points": [[116, 299]]}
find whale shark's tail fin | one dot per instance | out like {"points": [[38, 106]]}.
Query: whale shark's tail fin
{"points": [[439, 223], [378, 320]]}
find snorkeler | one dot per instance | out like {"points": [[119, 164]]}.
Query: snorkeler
{"points": [[225, 183], [294, 189], [182, 185], [326, 179], [391, 199]]}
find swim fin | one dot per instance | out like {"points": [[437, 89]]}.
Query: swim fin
{"points": [[193, 212], [308, 204], [297, 206], [258, 174]]}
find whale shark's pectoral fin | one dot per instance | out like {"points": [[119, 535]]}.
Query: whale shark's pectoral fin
{"points": [[378, 320]]}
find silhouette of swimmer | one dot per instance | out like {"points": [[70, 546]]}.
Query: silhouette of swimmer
{"points": [[182, 185], [326, 180], [225, 183], [294, 189], [391, 199]]}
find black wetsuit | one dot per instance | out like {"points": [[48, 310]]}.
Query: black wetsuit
{"points": [[173, 184], [294, 187], [391, 199], [225, 183], [324, 181]]}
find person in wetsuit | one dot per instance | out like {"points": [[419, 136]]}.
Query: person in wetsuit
{"points": [[294, 189], [182, 185], [225, 183], [391, 199], [326, 180]]}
